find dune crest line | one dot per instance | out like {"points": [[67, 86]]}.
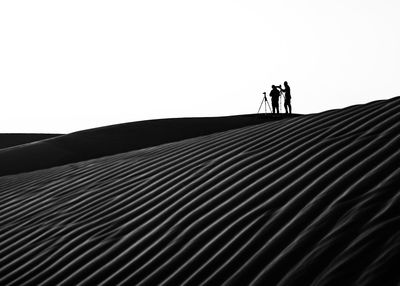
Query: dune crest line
{"points": [[307, 200]]}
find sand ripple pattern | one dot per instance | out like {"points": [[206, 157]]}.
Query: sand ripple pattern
{"points": [[311, 200]]}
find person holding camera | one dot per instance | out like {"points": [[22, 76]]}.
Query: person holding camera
{"points": [[274, 94], [288, 97]]}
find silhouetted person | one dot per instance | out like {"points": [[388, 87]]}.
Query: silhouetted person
{"points": [[288, 97], [274, 94]]}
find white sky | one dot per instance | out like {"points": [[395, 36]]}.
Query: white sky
{"points": [[71, 65]]}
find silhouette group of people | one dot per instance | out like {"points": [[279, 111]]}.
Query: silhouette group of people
{"points": [[275, 94]]}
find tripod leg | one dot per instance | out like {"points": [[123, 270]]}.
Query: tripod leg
{"points": [[269, 106], [265, 106], [260, 106]]}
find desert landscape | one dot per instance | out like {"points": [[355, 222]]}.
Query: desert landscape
{"points": [[240, 200]]}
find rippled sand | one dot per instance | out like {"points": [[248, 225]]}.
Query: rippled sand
{"points": [[309, 200]]}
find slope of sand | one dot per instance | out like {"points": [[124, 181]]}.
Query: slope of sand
{"points": [[114, 139], [13, 139], [311, 200]]}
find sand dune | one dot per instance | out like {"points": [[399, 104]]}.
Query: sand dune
{"points": [[109, 140], [14, 139], [310, 200]]}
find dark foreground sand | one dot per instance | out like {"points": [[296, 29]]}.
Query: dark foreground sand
{"points": [[310, 200]]}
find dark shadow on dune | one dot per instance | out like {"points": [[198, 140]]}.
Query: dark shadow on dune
{"points": [[14, 139], [109, 140]]}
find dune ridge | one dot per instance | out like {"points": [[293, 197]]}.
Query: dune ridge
{"points": [[109, 140], [310, 200], [8, 140]]}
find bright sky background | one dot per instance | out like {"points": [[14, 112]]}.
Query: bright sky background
{"points": [[77, 64]]}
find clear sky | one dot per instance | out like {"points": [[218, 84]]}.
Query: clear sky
{"points": [[72, 65]]}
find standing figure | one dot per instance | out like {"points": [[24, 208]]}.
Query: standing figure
{"points": [[274, 94], [288, 97]]}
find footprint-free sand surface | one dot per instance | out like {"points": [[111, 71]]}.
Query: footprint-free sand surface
{"points": [[8, 140], [307, 200], [110, 140]]}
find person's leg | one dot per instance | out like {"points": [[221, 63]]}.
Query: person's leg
{"points": [[290, 108], [286, 107]]}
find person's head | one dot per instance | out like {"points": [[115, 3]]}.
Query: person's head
{"points": [[285, 83], [273, 87]]}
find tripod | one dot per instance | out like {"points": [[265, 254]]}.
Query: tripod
{"points": [[265, 101]]}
